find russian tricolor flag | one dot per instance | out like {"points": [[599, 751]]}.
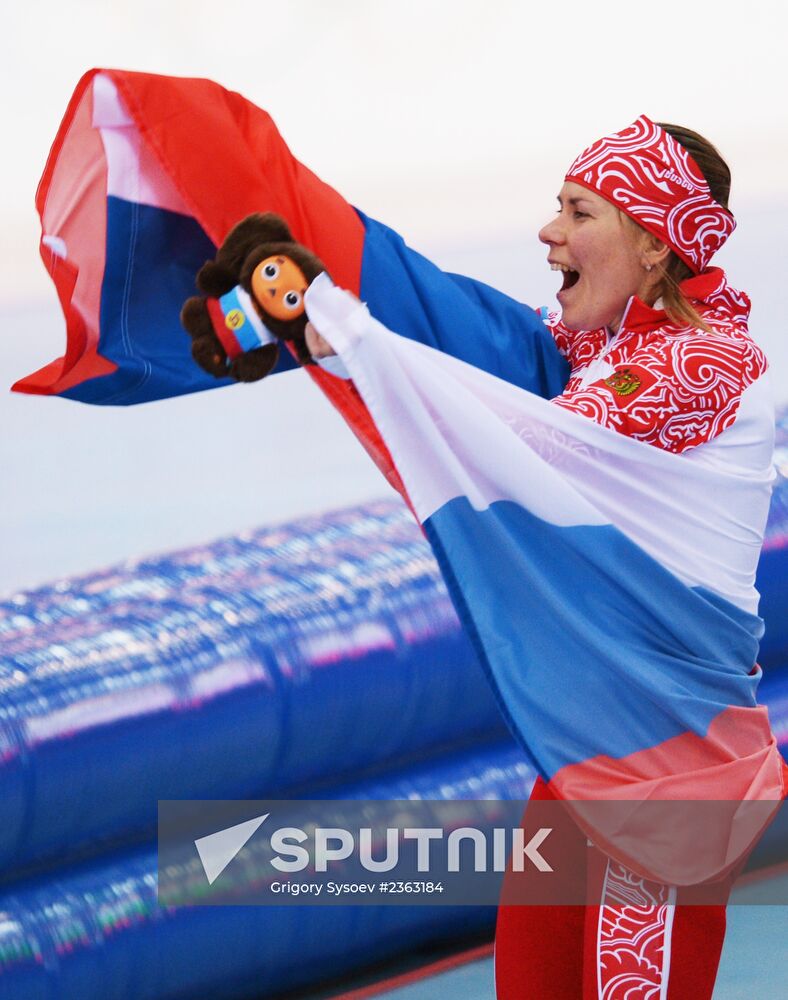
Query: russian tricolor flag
{"points": [[146, 177], [593, 572]]}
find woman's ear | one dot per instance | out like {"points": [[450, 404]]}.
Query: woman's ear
{"points": [[653, 252]]}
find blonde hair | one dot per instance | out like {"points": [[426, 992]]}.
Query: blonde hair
{"points": [[677, 306]]}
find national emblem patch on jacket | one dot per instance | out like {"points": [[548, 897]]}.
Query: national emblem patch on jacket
{"points": [[629, 381]]}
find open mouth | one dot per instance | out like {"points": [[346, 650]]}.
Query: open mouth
{"points": [[569, 277]]}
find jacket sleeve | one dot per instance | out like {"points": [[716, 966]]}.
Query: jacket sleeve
{"points": [[457, 315]]}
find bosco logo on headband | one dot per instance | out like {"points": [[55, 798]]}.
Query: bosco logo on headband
{"points": [[646, 173]]}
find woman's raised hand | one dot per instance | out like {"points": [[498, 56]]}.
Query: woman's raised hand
{"points": [[317, 346]]}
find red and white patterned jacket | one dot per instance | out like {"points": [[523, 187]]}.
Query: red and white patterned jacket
{"points": [[674, 387]]}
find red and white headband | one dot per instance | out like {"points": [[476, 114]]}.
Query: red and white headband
{"points": [[646, 173]]}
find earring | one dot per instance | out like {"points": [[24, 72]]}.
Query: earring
{"points": [[648, 267]]}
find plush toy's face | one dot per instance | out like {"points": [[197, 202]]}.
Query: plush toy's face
{"points": [[278, 285]]}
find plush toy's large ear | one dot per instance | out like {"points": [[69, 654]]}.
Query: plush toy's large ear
{"points": [[207, 349], [215, 280], [216, 277], [254, 365]]}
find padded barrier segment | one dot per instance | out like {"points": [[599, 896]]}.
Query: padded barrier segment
{"points": [[96, 931], [243, 668]]}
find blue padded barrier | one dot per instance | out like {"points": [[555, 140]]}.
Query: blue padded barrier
{"points": [[96, 931], [246, 667]]}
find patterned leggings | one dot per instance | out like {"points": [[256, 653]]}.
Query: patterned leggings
{"points": [[637, 944]]}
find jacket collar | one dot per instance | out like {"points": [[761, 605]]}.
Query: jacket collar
{"points": [[707, 290]]}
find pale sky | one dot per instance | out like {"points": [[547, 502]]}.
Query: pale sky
{"points": [[451, 121], [448, 119]]}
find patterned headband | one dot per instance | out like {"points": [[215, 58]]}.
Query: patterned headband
{"points": [[649, 175]]}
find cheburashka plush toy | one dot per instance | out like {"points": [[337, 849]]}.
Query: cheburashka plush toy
{"points": [[253, 297]]}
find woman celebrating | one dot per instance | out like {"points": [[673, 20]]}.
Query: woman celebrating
{"points": [[659, 350], [659, 354]]}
